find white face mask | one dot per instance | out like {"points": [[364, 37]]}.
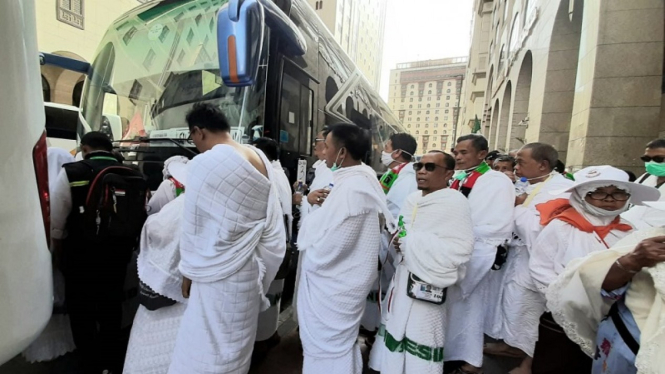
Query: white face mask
{"points": [[387, 158]]}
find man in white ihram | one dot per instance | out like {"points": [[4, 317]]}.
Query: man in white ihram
{"points": [[340, 243], [231, 247], [435, 242]]}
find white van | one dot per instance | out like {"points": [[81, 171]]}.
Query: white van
{"points": [[26, 296]]}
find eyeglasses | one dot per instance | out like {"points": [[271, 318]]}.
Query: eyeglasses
{"points": [[616, 195], [658, 159], [429, 166]]}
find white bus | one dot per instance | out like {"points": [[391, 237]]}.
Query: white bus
{"points": [[25, 262]]}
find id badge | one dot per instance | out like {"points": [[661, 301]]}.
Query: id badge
{"points": [[419, 290]]}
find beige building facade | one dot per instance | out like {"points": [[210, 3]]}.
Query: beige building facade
{"points": [[583, 75], [425, 96], [358, 26], [73, 28]]}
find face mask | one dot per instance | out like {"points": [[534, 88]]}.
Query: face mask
{"points": [[335, 167], [387, 158], [460, 175], [655, 168]]}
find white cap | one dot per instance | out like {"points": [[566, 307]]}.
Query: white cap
{"points": [[178, 171], [605, 173]]}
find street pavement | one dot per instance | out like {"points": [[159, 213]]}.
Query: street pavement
{"points": [[286, 358]]}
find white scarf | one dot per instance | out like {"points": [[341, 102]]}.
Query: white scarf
{"points": [[439, 240], [56, 157], [231, 216], [577, 305]]}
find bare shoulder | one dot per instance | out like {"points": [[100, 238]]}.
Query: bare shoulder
{"points": [[250, 154]]}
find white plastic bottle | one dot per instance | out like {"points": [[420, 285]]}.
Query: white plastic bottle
{"points": [[521, 186]]}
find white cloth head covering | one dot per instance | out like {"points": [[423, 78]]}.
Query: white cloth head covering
{"points": [[56, 157], [175, 167]]}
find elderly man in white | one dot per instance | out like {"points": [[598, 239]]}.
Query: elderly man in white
{"points": [[436, 240], [341, 244]]}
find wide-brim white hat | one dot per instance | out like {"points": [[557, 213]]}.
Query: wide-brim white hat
{"points": [[609, 174]]}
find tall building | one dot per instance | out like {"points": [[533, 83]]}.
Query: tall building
{"points": [[583, 75], [358, 26], [73, 28], [425, 96]]}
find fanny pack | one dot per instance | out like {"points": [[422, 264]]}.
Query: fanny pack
{"points": [[418, 289]]}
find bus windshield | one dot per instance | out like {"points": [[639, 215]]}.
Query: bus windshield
{"points": [[155, 63]]}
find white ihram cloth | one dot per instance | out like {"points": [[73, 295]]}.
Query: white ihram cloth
{"points": [[56, 339], [642, 216], [492, 200], [521, 303], [438, 243], [577, 305], [269, 318], [558, 244], [153, 336], [404, 185], [323, 176], [231, 248], [340, 244]]}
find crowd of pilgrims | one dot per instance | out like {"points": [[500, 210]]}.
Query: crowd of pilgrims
{"points": [[445, 259]]}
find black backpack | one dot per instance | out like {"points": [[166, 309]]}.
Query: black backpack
{"points": [[115, 206]]}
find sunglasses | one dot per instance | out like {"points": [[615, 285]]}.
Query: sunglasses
{"points": [[658, 159], [429, 166]]}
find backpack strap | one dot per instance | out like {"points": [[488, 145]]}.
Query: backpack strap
{"points": [[644, 177], [622, 329]]}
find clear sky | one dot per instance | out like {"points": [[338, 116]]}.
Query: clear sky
{"points": [[424, 30]]}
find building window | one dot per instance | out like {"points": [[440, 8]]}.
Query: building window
{"points": [[449, 84], [71, 13], [417, 132], [438, 98], [447, 97], [430, 85], [418, 119], [426, 118], [420, 99], [436, 118], [410, 106], [412, 86], [419, 105], [409, 112], [435, 132], [446, 112], [433, 145], [427, 125], [319, 5], [427, 112], [426, 132], [445, 118], [409, 119], [436, 111], [411, 100], [428, 105], [447, 105], [402, 99], [445, 132], [438, 105], [429, 92], [411, 93], [448, 90], [409, 126]]}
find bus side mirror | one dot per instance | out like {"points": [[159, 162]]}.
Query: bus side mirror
{"points": [[240, 33]]}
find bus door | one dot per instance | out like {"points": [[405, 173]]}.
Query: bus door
{"points": [[296, 116]]}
